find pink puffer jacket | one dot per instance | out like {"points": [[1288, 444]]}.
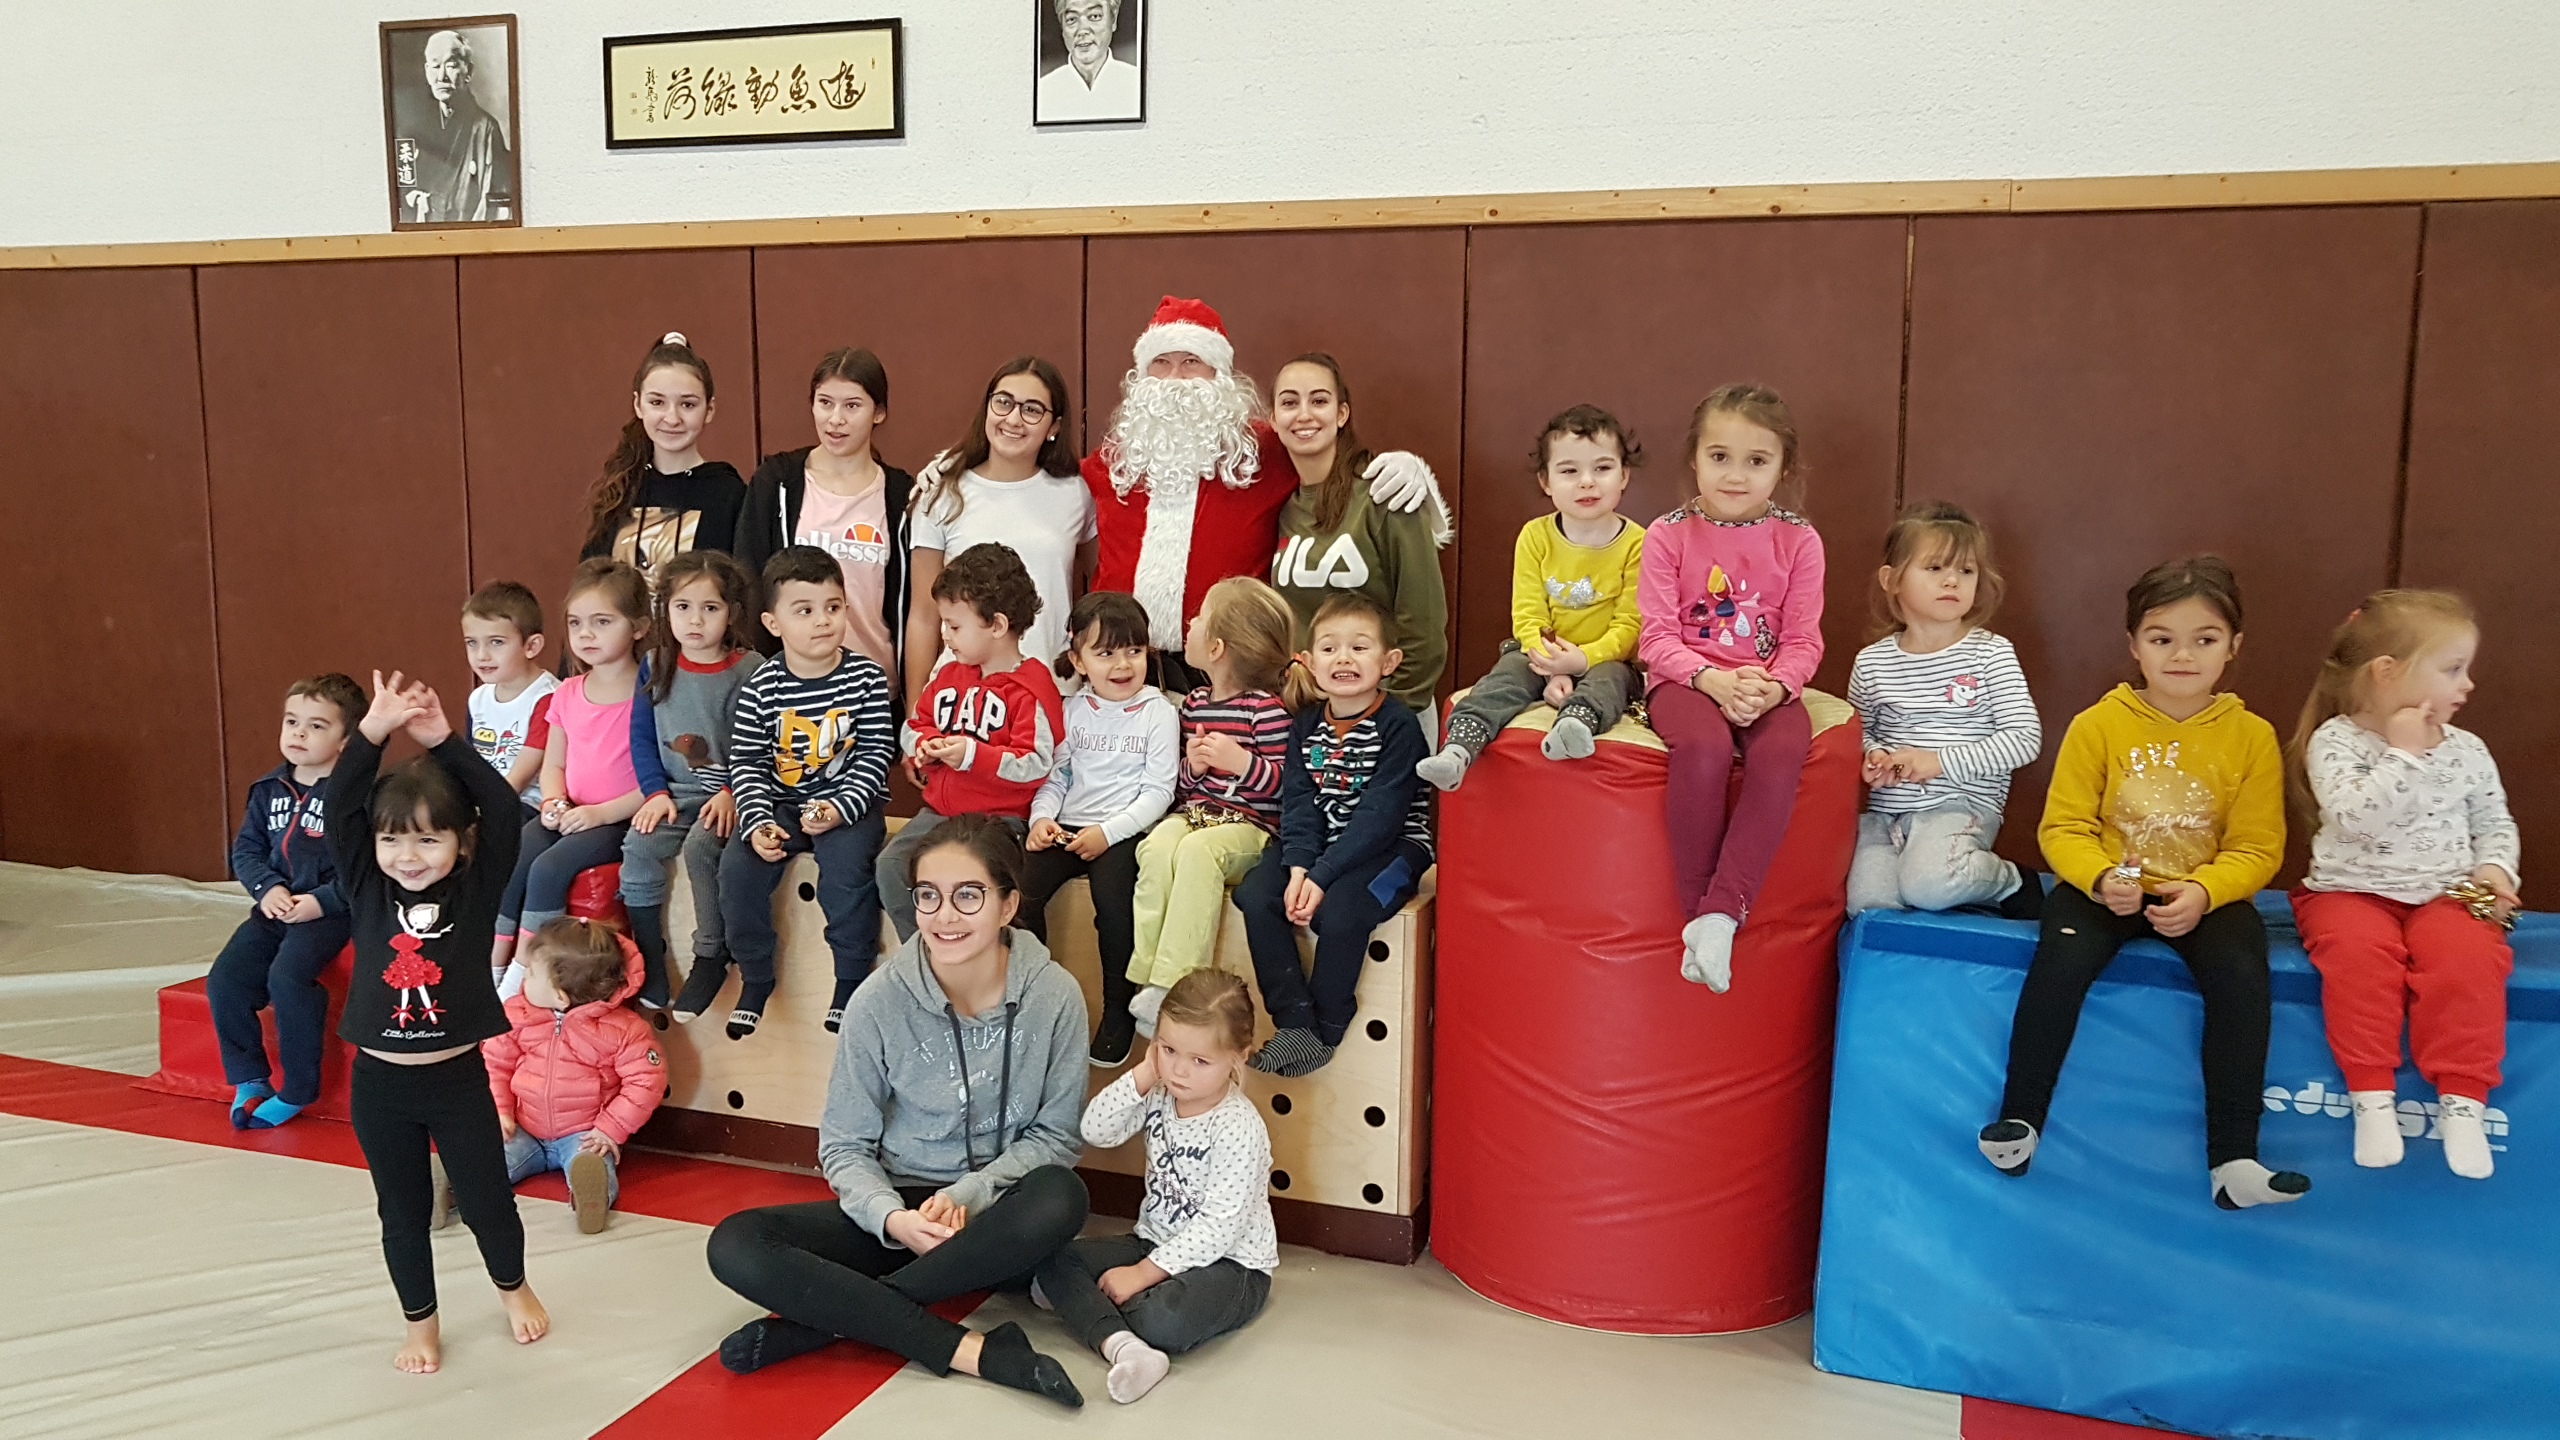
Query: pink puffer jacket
{"points": [[597, 1067]]}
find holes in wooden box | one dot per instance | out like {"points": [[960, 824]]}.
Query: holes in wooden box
{"points": [[1279, 1179], [808, 891], [1377, 1029], [1379, 952], [1376, 1117], [737, 1101], [1373, 1194], [1279, 1104]]}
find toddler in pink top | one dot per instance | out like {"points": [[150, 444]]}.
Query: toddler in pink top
{"points": [[1731, 593], [590, 789]]}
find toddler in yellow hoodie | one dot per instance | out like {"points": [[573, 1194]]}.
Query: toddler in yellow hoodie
{"points": [[2164, 817]]}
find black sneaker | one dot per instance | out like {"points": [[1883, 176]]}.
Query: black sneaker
{"points": [[1111, 1043]]}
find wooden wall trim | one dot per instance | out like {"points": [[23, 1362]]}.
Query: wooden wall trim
{"points": [[2403, 185]]}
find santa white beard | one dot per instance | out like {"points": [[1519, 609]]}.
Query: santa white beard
{"points": [[1170, 435]]}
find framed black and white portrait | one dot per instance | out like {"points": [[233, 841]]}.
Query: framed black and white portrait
{"points": [[449, 123], [1089, 62]]}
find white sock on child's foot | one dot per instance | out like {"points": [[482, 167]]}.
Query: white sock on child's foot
{"points": [[2462, 1123], [2377, 1127], [2010, 1146], [1447, 768], [1147, 1004], [511, 984], [1136, 1366], [2239, 1184], [1568, 739], [1706, 946]]}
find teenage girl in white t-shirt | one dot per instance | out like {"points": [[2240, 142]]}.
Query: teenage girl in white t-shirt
{"points": [[1011, 481]]}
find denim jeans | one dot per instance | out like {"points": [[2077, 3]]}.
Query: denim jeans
{"points": [[528, 1157]]}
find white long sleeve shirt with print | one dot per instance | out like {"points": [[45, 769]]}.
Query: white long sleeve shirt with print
{"points": [[2405, 826], [1968, 702], [1118, 766], [1208, 1177]]}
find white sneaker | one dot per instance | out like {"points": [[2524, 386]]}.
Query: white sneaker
{"points": [[1707, 951], [2462, 1122], [2377, 1128]]}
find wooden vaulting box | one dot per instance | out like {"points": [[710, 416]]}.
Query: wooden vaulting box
{"points": [[1347, 1143]]}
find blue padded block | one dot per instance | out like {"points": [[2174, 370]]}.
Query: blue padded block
{"points": [[2402, 1303]]}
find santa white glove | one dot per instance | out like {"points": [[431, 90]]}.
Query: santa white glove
{"points": [[1401, 482]]}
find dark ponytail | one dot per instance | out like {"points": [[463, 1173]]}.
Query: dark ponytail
{"points": [[612, 493]]}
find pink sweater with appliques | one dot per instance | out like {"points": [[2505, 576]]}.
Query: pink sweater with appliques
{"points": [[1730, 595]]}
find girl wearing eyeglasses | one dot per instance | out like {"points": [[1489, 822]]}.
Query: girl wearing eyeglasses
{"points": [[841, 497], [950, 1135], [1011, 480]]}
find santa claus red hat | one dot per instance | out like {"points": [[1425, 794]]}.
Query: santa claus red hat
{"points": [[1187, 325]]}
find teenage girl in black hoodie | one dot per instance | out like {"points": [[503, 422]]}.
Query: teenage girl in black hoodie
{"points": [[658, 497]]}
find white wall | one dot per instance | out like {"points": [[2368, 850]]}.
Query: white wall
{"points": [[141, 120]]}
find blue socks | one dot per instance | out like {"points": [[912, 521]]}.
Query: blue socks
{"points": [[270, 1114], [246, 1097]]}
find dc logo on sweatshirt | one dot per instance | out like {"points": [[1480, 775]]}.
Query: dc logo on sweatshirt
{"points": [[2418, 1118]]}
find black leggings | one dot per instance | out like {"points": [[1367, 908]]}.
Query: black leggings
{"points": [[1173, 1315], [1112, 876], [2227, 954], [812, 1264], [397, 1110]]}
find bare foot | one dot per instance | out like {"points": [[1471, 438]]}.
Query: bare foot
{"points": [[525, 1314], [423, 1352]]}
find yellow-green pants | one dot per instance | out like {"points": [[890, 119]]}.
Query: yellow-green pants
{"points": [[1183, 875]]}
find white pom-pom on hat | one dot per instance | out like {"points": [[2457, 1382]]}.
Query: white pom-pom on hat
{"points": [[674, 337]]}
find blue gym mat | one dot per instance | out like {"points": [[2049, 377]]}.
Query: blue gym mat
{"points": [[2400, 1304]]}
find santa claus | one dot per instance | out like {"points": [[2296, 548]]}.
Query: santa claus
{"points": [[1190, 480]]}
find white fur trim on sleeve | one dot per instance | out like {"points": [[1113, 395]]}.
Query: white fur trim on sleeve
{"points": [[1200, 340]]}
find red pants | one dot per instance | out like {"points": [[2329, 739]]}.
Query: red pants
{"points": [[2434, 963], [1720, 853]]}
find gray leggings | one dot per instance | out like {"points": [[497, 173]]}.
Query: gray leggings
{"points": [[1928, 860], [1174, 1315], [645, 880], [1510, 687]]}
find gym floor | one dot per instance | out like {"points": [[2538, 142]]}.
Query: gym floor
{"points": [[167, 1275]]}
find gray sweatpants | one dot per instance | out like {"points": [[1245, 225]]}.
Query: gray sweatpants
{"points": [[1510, 687], [645, 880], [1928, 860], [1173, 1315], [895, 869]]}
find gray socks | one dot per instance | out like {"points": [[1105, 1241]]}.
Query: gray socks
{"points": [[1445, 769], [1570, 738], [1291, 1054]]}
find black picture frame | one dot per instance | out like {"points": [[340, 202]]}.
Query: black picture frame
{"points": [[417, 193], [1049, 52], [615, 114]]}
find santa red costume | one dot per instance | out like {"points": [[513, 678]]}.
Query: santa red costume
{"points": [[1189, 482]]}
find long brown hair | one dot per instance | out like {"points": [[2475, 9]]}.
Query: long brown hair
{"points": [[1933, 530], [623, 587], [737, 589], [2391, 624], [612, 492], [1350, 457], [944, 499]]}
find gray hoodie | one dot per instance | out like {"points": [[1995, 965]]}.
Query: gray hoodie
{"points": [[901, 1111]]}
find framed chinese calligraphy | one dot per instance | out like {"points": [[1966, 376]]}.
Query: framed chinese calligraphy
{"points": [[1088, 62], [841, 81], [449, 123]]}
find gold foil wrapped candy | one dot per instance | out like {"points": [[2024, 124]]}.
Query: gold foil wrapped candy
{"points": [[2482, 902]]}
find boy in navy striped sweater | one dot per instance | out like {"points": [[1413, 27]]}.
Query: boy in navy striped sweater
{"points": [[809, 760], [1947, 718], [1355, 836]]}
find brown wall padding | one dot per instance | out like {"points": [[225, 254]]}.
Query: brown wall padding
{"points": [[1644, 320], [333, 430], [940, 317], [111, 724], [2484, 480], [2110, 391], [549, 344]]}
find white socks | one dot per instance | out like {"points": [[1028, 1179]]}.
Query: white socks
{"points": [[2461, 1122], [1145, 1006], [1445, 769], [1136, 1366], [1569, 739], [2010, 1145], [2377, 1128], [2239, 1184], [511, 984], [1706, 945]]}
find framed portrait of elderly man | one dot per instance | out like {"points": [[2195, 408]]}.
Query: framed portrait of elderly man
{"points": [[1089, 62], [449, 123]]}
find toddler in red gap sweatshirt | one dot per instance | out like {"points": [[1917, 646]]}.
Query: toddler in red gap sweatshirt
{"points": [[984, 734], [577, 1074]]}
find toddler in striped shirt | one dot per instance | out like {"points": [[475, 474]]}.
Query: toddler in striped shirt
{"points": [[1947, 718]]}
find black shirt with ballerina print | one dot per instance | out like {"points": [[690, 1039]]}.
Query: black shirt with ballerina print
{"points": [[421, 979]]}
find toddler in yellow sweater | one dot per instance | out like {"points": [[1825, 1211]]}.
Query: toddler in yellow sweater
{"points": [[1573, 603]]}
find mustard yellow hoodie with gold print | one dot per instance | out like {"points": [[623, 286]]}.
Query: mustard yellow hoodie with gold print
{"points": [[2199, 799]]}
